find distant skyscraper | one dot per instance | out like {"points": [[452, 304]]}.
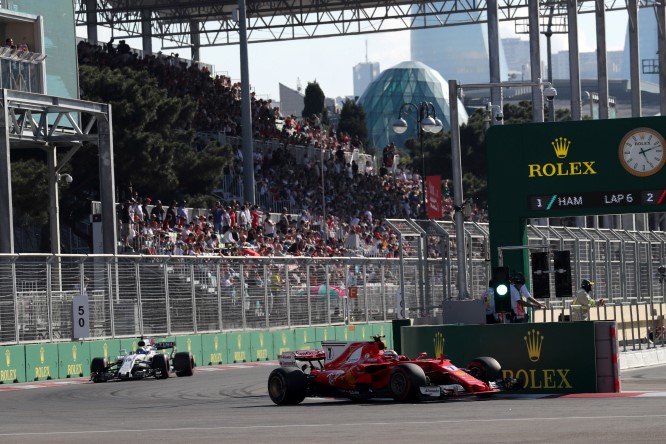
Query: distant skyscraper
{"points": [[517, 54], [647, 47], [364, 74], [457, 52]]}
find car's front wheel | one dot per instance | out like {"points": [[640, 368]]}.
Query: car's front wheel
{"points": [[287, 386], [405, 382], [183, 364], [160, 366], [98, 369], [485, 369]]}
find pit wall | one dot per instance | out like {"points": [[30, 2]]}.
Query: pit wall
{"points": [[45, 361], [572, 357]]}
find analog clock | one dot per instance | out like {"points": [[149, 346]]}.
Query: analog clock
{"points": [[642, 152]]}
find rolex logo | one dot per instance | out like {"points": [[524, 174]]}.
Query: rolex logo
{"points": [[8, 357], [438, 341], [41, 354], [325, 335], [261, 340], [305, 336], [561, 146], [106, 350], [215, 342], [284, 339], [346, 334], [533, 341], [74, 353], [239, 341], [189, 344]]}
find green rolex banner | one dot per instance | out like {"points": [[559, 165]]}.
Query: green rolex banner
{"points": [[548, 358]]}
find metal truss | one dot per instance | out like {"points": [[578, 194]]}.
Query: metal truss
{"points": [[175, 21], [36, 120]]}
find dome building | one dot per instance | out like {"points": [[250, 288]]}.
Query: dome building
{"points": [[407, 82]]}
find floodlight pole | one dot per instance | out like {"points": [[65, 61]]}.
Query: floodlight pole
{"points": [[426, 121], [458, 202]]}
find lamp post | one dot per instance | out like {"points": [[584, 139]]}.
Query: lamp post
{"points": [[548, 91], [426, 121]]}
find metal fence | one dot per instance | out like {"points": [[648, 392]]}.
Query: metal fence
{"points": [[133, 295]]}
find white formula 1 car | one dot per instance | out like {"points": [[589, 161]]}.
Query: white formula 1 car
{"points": [[146, 361]]}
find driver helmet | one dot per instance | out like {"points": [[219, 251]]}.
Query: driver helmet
{"points": [[141, 349], [390, 354], [586, 285]]}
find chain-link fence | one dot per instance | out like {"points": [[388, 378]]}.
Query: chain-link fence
{"points": [[164, 295]]}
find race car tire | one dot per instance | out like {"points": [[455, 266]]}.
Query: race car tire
{"points": [[160, 366], [183, 364], [405, 382], [287, 386], [98, 369], [485, 368]]}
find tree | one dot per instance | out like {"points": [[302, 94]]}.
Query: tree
{"points": [[437, 150], [315, 102], [352, 121], [152, 137], [30, 193]]}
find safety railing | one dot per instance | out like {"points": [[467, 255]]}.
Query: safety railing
{"points": [[640, 324], [132, 295]]}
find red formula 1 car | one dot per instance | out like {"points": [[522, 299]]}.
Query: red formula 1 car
{"points": [[366, 369]]}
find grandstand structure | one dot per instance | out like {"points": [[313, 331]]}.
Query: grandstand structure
{"points": [[34, 119], [136, 295]]}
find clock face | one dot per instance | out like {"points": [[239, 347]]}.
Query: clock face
{"points": [[642, 152]]}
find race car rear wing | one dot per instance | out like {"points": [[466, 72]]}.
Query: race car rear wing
{"points": [[290, 359]]}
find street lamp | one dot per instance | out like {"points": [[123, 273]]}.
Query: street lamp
{"points": [[426, 121], [547, 91]]}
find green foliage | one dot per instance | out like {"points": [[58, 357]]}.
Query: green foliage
{"points": [[437, 150], [152, 137], [314, 102], [30, 192], [353, 122]]}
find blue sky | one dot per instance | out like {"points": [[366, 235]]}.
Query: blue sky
{"points": [[329, 61]]}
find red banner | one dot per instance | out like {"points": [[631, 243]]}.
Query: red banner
{"points": [[434, 196]]}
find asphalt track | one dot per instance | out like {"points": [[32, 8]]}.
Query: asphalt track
{"points": [[230, 404]]}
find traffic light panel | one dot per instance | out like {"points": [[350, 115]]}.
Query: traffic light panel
{"points": [[563, 288], [502, 289], [540, 276]]}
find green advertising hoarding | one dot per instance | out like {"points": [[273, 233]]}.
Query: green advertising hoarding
{"points": [[575, 168], [548, 358], [239, 347], [283, 341], [261, 346], [12, 364], [41, 362], [73, 359], [214, 349], [192, 344]]}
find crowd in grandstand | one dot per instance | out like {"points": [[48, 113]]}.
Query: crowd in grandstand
{"points": [[347, 222]]}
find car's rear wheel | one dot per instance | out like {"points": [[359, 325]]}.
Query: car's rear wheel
{"points": [[160, 366], [405, 382], [287, 386], [98, 369], [183, 364], [485, 369]]}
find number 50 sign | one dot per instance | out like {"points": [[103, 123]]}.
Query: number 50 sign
{"points": [[80, 318]]}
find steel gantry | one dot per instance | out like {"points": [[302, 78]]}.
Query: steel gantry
{"points": [[205, 23], [29, 120]]}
